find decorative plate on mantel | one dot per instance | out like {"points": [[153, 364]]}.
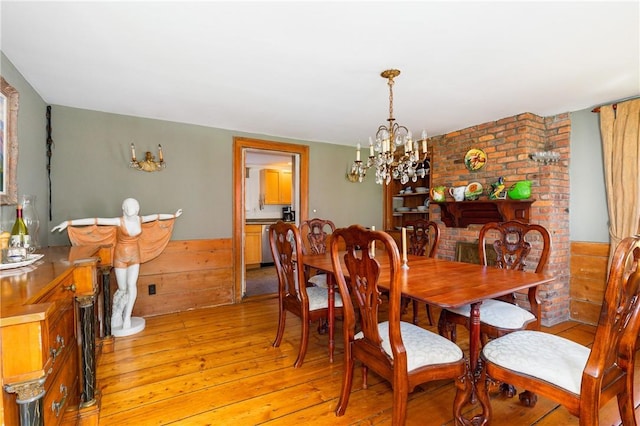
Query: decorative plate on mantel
{"points": [[475, 159]]}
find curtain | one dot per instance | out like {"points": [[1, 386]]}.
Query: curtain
{"points": [[619, 128]]}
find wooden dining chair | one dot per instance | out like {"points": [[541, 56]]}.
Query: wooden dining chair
{"points": [[315, 237], [402, 353], [514, 243], [580, 378], [308, 303], [424, 237]]}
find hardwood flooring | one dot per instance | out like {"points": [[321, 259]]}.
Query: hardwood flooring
{"points": [[216, 366]]}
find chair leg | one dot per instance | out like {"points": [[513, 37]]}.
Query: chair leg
{"points": [[429, 313], [323, 326], [399, 407], [529, 399], [415, 312], [365, 374], [280, 332], [304, 341], [404, 303], [347, 381], [445, 328], [625, 406]]}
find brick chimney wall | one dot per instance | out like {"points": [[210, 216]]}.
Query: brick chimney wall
{"points": [[508, 142]]}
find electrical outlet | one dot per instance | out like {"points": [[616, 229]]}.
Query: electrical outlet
{"points": [[152, 289]]}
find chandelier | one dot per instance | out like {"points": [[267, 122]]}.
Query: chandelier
{"points": [[394, 154]]}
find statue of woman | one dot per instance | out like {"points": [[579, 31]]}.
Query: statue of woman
{"points": [[132, 246]]}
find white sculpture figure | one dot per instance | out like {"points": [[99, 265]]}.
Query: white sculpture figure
{"points": [[134, 243]]}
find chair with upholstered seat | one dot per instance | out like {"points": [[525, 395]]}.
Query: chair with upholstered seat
{"points": [[308, 303], [315, 237], [514, 243], [424, 237], [580, 378], [402, 353]]}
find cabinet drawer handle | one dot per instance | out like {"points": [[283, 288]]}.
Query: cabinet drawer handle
{"points": [[71, 288], [56, 352], [56, 406]]}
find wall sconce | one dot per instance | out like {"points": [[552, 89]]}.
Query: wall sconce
{"points": [[545, 157], [149, 164]]}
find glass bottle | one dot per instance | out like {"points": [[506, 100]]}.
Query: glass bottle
{"points": [[19, 240], [30, 217]]}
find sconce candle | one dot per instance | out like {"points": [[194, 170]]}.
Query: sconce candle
{"points": [[358, 153], [149, 164]]}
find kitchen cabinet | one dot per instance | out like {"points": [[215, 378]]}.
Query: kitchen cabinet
{"points": [[403, 207], [252, 245], [275, 186]]}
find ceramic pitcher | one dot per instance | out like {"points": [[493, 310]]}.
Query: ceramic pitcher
{"points": [[457, 192], [438, 193]]}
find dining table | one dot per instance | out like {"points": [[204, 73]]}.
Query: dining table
{"points": [[442, 283]]}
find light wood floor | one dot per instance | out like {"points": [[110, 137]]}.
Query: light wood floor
{"points": [[216, 366]]}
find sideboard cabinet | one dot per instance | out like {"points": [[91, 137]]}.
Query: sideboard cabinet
{"points": [[48, 320]]}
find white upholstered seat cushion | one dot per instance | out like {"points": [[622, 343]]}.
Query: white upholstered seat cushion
{"points": [[498, 314], [423, 347], [319, 298], [319, 280], [545, 356]]}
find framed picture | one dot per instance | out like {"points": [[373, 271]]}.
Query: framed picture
{"points": [[8, 143]]}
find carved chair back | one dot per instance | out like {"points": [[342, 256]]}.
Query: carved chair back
{"points": [[315, 233], [424, 238]]}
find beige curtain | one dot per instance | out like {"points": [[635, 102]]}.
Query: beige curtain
{"points": [[620, 130]]}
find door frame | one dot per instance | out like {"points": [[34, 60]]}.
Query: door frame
{"points": [[239, 146]]}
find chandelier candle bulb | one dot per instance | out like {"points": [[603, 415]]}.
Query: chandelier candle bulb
{"points": [[358, 153], [370, 147], [160, 156], [133, 152]]}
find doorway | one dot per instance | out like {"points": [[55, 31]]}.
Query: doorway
{"points": [[241, 145]]}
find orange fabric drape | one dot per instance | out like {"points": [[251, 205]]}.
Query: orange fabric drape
{"points": [[154, 238], [620, 131]]}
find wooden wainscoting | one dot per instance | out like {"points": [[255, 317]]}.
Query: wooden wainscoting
{"points": [[588, 280], [189, 274]]}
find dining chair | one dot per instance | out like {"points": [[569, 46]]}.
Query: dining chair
{"points": [[308, 303], [315, 236], [514, 243], [402, 353], [580, 378], [424, 237]]}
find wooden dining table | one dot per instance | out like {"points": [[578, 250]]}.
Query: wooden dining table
{"points": [[442, 283]]}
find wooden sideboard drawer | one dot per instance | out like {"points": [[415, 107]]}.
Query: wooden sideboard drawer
{"points": [[61, 386], [64, 290], [61, 333]]}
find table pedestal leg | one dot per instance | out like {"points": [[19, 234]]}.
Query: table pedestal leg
{"points": [[475, 375]]}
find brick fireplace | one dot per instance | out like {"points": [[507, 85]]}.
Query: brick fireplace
{"points": [[508, 143]]}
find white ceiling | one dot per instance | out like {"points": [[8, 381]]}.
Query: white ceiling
{"points": [[310, 70]]}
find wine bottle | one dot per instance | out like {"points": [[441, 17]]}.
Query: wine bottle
{"points": [[19, 233], [19, 240]]}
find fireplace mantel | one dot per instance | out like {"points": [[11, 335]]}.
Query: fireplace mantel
{"points": [[460, 214]]}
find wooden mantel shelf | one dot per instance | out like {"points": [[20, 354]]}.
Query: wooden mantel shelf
{"points": [[460, 214]]}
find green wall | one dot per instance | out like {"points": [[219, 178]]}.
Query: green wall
{"points": [[90, 173]]}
